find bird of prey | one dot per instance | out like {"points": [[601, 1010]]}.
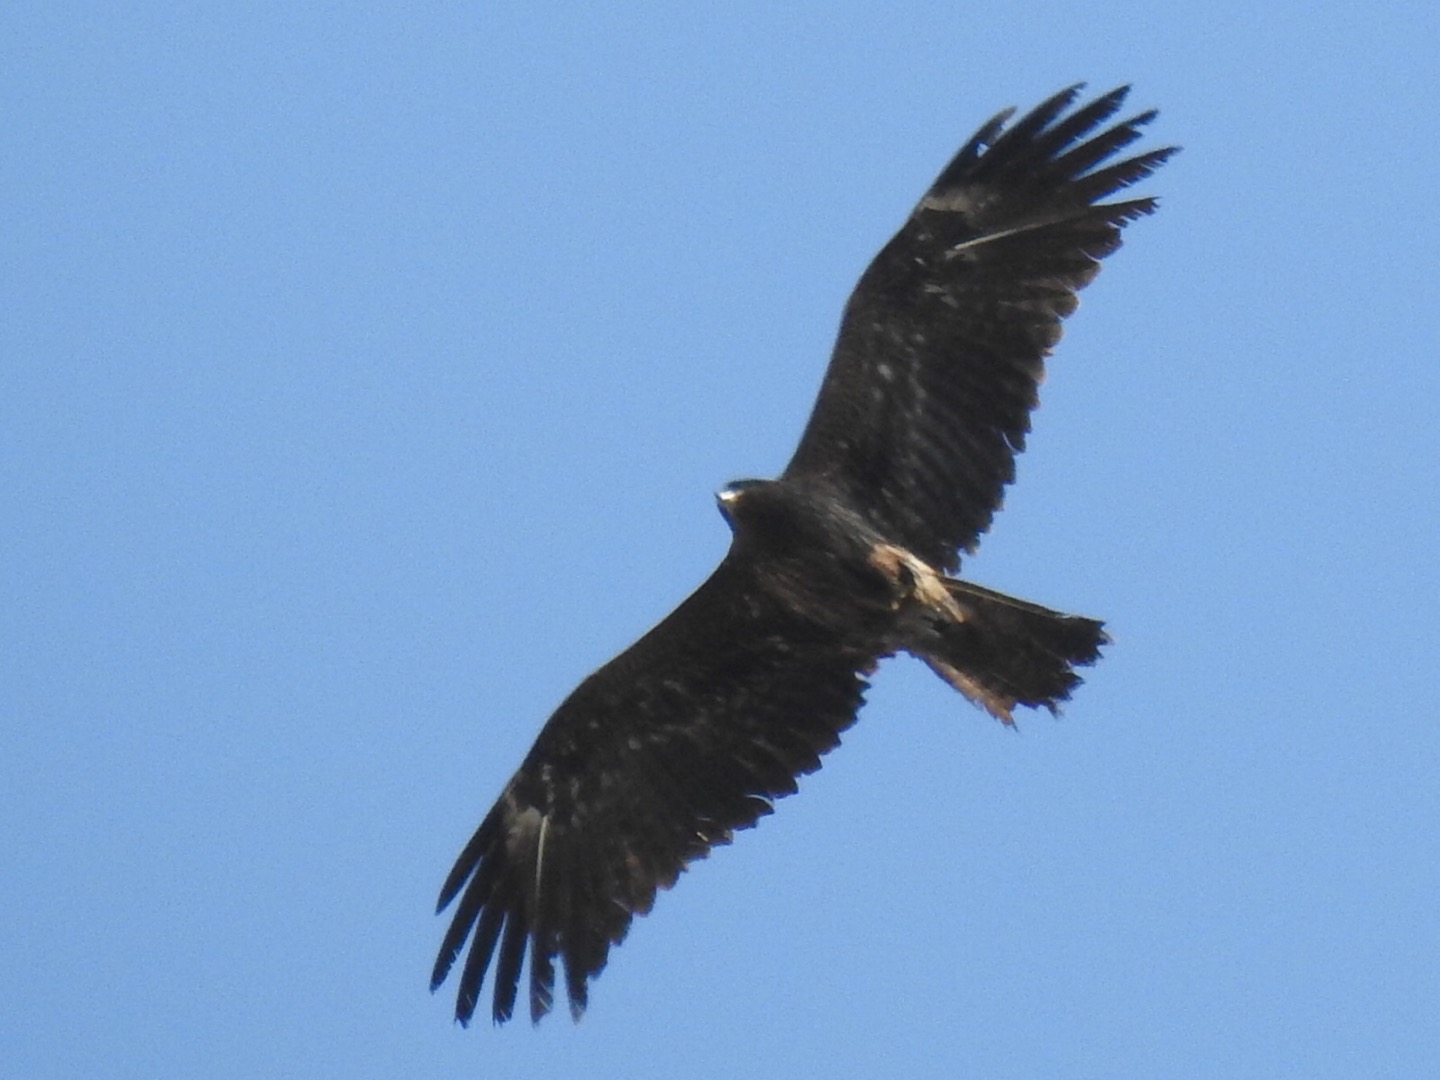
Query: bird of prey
{"points": [[849, 557]]}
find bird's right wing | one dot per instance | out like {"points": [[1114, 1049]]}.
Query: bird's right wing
{"points": [[942, 346], [652, 761]]}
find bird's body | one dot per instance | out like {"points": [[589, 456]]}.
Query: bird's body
{"points": [[847, 558]]}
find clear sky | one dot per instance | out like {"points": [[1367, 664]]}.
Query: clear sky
{"points": [[366, 373]]}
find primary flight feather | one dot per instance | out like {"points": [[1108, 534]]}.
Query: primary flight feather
{"points": [[692, 732]]}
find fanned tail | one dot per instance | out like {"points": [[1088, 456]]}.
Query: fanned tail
{"points": [[1007, 652]]}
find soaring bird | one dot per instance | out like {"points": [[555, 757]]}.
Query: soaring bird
{"points": [[847, 558]]}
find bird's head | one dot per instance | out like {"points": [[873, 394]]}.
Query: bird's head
{"points": [[734, 498]]}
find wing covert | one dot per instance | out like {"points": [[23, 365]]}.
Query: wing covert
{"points": [[942, 345], [653, 760]]}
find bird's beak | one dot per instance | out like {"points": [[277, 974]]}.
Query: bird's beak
{"points": [[725, 500]]}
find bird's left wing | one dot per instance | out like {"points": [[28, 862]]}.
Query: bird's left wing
{"points": [[652, 761]]}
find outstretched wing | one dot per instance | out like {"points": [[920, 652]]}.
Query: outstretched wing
{"points": [[652, 761], [942, 346]]}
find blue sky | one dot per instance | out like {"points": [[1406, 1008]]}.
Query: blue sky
{"points": [[365, 377]]}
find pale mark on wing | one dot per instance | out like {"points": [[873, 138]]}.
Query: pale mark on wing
{"points": [[966, 245]]}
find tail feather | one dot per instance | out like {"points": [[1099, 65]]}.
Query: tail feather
{"points": [[1007, 652]]}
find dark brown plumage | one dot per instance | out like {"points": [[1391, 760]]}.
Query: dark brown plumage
{"points": [[692, 732]]}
